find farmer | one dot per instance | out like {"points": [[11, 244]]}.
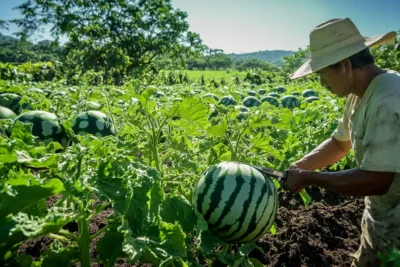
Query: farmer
{"points": [[370, 126]]}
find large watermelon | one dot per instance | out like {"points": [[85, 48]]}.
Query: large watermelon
{"points": [[251, 101], [93, 122], [238, 202], [46, 126], [290, 101], [6, 113]]}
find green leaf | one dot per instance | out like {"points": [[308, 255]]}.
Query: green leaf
{"points": [[19, 194], [7, 151], [262, 141], [306, 197], [218, 130], [109, 248], [172, 240], [177, 209], [65, 258]]}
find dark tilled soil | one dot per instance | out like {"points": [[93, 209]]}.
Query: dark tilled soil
{"points": [[324, 234]]}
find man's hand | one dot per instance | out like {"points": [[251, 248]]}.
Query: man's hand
{"points": [[296, 180]]}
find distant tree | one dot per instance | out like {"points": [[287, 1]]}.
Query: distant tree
{"points": [[3, 25], [119, 37]]}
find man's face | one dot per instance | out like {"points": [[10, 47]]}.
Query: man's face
{"points": [[335, 80]]}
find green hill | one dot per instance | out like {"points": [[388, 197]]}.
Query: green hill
{"points": [[274, 57]]}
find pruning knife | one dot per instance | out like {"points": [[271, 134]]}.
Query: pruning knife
{"points": [[280, 176]]}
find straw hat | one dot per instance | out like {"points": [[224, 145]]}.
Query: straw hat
{"points": [[335, 40]]}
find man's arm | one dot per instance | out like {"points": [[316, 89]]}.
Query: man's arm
{"points": [[353, 182], [327, 153]]}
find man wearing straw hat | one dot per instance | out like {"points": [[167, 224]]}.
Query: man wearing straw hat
{"points": [[370, 126]]}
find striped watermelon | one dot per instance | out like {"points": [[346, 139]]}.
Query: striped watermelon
{"points": [[238, 202], [262, 91], [276, 95], [308, 93], [251, 101], [251, 92], [311, 99], [227, 101], [271, 100], [290, 101], [211, 95], [281, 89], [6, 113]]}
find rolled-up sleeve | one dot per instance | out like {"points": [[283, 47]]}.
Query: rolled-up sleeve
{"points": [[381, 141]]}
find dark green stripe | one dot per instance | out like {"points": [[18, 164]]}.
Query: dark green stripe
{"points": [[208, 181], [253, 224], [246, 206], [229, 204], [270, 218], [216, 196]]}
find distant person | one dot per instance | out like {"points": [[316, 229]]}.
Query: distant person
{"points": [[370, 126]]}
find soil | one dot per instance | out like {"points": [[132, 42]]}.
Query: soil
{"points": [[323, 234]]}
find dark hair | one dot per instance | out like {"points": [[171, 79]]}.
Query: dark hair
{"points": [[359, 60]]}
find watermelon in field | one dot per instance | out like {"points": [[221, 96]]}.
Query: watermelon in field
{"points": [[276, 95], [290, 101], [271, 100], [262, 91], [227, 101], [47, 92], [311, 99], [281, 89], [11, 101], [59, 94], [251, 93], [6, 113], [159, 94], [46, 126], [211, 95], [251, 101], [35, 90], [93, 122], [243, 112], [237, 201], [308, 93]]}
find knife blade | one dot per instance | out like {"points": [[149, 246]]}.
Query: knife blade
{"points": [[280, 176]]}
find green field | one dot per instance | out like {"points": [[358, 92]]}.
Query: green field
{"points": [[216, 74]]}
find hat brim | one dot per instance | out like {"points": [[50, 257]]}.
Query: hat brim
{"points": [[310, 67]]}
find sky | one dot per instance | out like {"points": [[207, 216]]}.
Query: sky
{"points": [[241, 26]]}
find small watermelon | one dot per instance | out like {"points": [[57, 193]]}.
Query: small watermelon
{"points": [[276, 95], [281, 89], [240, 94], [251, 93], [211, 95], [11, 101], [251, 101], [311, 99], [290, 101], [271, 100], [6, 113], [46, 126], [309, 92], [238, 202], [159, 94], [262, 91], [296, 94], [93, 122], [227, 101]]}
